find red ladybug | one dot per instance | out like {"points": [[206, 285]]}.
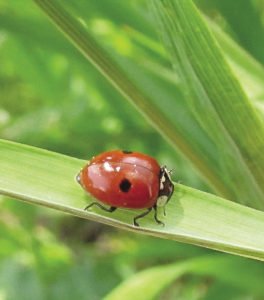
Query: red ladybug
{"points": [[128, 180]]}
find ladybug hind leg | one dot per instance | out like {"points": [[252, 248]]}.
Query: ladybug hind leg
{"points": [[109, 209]]}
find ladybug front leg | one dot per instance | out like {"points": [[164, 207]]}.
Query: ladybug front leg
{"points": [[156, 216], [109, 209]]}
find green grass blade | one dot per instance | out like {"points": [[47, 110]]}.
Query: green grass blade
{"points": [[46, 178], [248, 71], [149, 283], [248, 21], [215, 97]]}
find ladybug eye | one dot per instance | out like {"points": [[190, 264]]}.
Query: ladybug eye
{"points": [[127, 152], [125, 185]]}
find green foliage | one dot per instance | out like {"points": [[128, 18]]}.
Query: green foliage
{"points": [[204, 117]]}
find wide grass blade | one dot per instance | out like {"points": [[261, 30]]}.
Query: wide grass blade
{"points": [[46, 178]]}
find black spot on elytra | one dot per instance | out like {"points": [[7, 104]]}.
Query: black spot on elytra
{"points": [[127, 152], [125, 185]]}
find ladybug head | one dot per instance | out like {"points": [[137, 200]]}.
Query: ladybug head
{"points": [[166, 187]]}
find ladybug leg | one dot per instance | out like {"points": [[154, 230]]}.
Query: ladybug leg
{"points": [[156, 216], [164, 210], [141, 216], [109, 209]]}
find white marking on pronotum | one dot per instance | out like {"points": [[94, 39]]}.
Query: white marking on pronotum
{"points": [[162, 180]]}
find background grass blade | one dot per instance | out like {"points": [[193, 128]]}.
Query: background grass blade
{"points": [[248, 71], [215, 97], [149, 283], [46, 178], [248, 22]]}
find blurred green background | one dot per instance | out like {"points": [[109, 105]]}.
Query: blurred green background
{"points": [[52, 98]]}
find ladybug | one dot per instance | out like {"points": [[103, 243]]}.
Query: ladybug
{"points": [[126, 179]]}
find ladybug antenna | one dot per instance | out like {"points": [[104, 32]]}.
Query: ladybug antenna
{"points": [[171, 171]]}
